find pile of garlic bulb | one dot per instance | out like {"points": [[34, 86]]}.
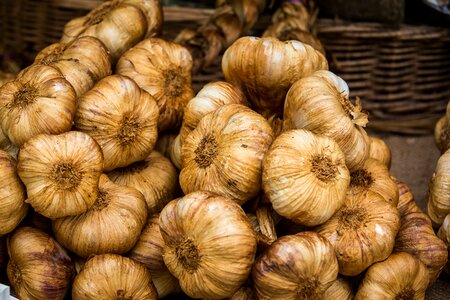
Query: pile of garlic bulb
{"points": [[118, 182]]}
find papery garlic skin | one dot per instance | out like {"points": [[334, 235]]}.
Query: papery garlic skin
{"points": [[265, 68], [224, 153], [340, 289], [301, 266], [111, 276], [439, 191], [380, 150], [39, 268], [305, 177], [40, 100], [6, 145], [400, 276], [209, 244], [121, 117], [12, 195], [61, 173]]}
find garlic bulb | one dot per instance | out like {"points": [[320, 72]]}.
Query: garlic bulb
{"points": [[164, 143], [82, 62], [38, 101], [444, 234], [401, 276], [155, 177], [163, 69], [61, 173], [340, 289], [265, 68], [12, 195], [119, 24], [209, 244], [111, 276], [122, 119], [39, 268], [301, 266], [149, 251], [362, 232], [374, 176], [175, 152], [224, 153], [112, 225], [439, 189], [442, 134], [305, 177], [380, 150], [6, 145]]}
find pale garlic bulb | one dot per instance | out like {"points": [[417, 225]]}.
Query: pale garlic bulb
{"points": [[149, 251], [439, 191], [40, 100], [155, 177], [400, 276], [320, 104], [111, 225], [12, 195], [224, 153], [362, 232], [265, 68], [6, 145], [121, 117], [39, 268], [301, 266], [380, 150], [111, 276], [210, 245], [305, 177], [374, 176], [61, 173], [339, 290], [163, 69]]}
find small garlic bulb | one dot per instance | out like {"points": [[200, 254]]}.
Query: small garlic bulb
{"points": [[38, 101], [163, 69], [340, 289], [374, 176], [6, 145], [439, 189], [362, 232], [305, 177], [209, 244], [401, 276], [12, 195], [61, 173], [301, 266], [320, 104], [265, 68], [149, 251], [380, 150], [39, 268], [112, 225], [111, 276], [155, 177], [224, 153], [121, 117]]}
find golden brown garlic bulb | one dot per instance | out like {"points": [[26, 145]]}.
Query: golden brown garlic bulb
{"points": [[320, 103], [111, 276], [6, 145], [149, 251], [82, 62], [301, 266], [305, 177], [112, 225], [38, 101], [401, 276], [362, 232], [224, 153], [12, 195], [121, 117], [61, 173], [439, 190], [265, 68], [380, 150], [39, 268], [163, 69], [209, 244], [374, 176], [155, 177], [340, 289]]}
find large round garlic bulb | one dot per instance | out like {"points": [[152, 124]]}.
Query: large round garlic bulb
{"points": [[301, 266], [224, 153], [439, 190], [61, 173], [209, 244], [305, 177]]}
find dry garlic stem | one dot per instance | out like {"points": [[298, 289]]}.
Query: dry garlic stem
{"points": [[380, 150], [439, 191]]}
